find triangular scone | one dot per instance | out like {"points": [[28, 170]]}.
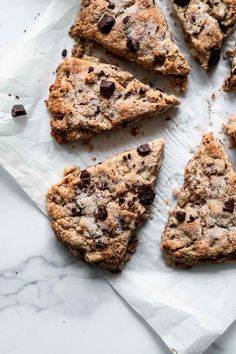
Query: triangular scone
{"points": [[230, 82], [134, 29], [89, 97], [202, 227], [230, 129], [96, 212], [205, 25]]}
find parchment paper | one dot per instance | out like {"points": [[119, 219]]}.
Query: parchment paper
{"points": [[187, 309]]}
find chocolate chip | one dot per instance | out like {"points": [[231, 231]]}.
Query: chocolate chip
{"points": [[181, 3], [159, 60], [111, 5], [131, 203], [214, 57], [18, 110], [102, 212], [223, 27], [125, 19], [121, 201], [106, 23], [146, 195], [85, 177], [129, 156], [123, 224], [101, 73], [64, 53], [191, 218], [132, 44], [107, 88], [142, 91], [229, 205], [143, 150], [90, 69], [127, 94], [100, 245], [76, 211], [180, 215]]}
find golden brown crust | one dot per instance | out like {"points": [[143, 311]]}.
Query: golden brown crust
{"points": [[230, 129], [79, 109], [230, 82], [135, 20], [202, 227], [96, 212], [205, 25]]}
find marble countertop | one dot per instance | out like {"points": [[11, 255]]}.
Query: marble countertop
{"points": [[42, 308]]}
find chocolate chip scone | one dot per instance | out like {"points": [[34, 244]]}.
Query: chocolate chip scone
{"points": [[230, 129], [96, 212], [134, 29], [205, 24], [202, 227], [230, 82], [89, 97]]}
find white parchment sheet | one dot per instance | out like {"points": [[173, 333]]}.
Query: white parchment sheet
{"points": [[187, 309]]}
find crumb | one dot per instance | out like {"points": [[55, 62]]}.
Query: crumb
{"points": [[168, 118], [135, 131], [175, 192], [213, 97], [17, 97], [9, 94], [24, 31], [93, 158], [88, 146]]}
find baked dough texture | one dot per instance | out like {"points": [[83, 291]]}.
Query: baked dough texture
{"points": [[89, 97], [96, 212], [205, 24], [202, 226], [134, 29]]}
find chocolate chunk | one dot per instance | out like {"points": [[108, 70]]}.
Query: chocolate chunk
{"points": [[142, 91], [106, 23], [123, 224], [76, 211], [111, 5], [181, 3], [18, 110], [131, 203], [143, 150], [127, 94], [85, 177], [100, 245], [121, 201], [132, 44], [102, 212], [101, 73], [64, 53], [159, 60], [125, 19], [146, 195], [107, 88], [214, 57], [229, 205], [191, 218], [129, 156], [180, 215], [90, 69]]}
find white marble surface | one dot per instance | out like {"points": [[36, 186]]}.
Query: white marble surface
{"points": [[46, 307]]}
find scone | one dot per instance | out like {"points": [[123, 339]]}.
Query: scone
{"points": [[134, 29], [230, 82], [205, 25], [230, 129], [89, 97], [202, 227], [96, 212]]}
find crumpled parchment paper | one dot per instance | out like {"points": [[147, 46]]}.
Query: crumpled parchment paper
{"points": [[187, 309]]}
